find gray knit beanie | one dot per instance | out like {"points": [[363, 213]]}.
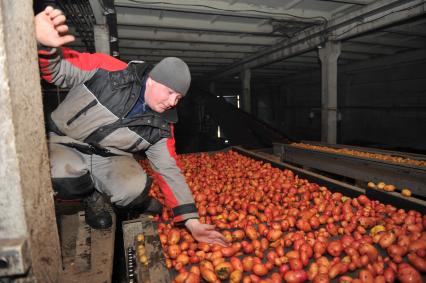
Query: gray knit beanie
{"points": [[173, 73]]}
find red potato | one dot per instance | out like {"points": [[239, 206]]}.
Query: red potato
{"points": [[417, 245], [173, 237], [295, 264], [407, 274], [228, 251], [259, 269], [238, 235], [379, 279], [345, 279], [274, 235], [387, 239], [271, 256], [303, 225], [389, 275], [251, 233], [236, 264], [236, 276], [365, 276], [207, 265], [319, 249], [216, 261], [418, 262], [181, 277], [370, 251], [276, 278], [256, 279], [174, 251], [283, 269], [335, 270], [295, 276], [208, 275], [182, 258], [195, 269], [248, 263], [204, 247], [396, 252], [334, 248], [321, 278], [248, 248]]}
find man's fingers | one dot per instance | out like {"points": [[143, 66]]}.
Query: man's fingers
{"points": [[62, 28], [59, 20], [67, 39], [218, 237], [48, 9], [209, 227], [219, 241], [55, 13]]}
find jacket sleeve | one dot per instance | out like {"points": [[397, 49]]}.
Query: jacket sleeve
{"points": [[163, 159], [67, 68]]}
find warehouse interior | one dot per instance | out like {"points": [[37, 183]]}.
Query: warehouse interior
{"points": [[379, 56], [332, 90]]}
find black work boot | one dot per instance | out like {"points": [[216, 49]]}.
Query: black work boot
{"points": [[96, 210], [149, 206]]}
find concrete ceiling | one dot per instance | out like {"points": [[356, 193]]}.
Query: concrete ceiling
{"points": [[213, 35]]}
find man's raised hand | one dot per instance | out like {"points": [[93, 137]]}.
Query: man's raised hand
{"points": [[50, 28]]}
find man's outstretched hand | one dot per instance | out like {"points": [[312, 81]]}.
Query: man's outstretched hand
{"points": [[50, 28], [205, 233]]}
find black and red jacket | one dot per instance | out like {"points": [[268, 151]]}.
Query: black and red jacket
{"points": [[103, 90]]}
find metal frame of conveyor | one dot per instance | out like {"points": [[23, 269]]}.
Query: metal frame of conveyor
{"points": [[358, 168], [393, 198]]}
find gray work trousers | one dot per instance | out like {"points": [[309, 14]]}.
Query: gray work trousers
{"points": [[120, 177]]}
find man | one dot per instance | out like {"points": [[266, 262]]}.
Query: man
{"points": [[112, 111]]}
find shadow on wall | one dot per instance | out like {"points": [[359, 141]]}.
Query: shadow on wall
{"points": [[196, 133]]}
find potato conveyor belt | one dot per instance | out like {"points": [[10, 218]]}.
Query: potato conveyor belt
{"points": [[358, 168]]}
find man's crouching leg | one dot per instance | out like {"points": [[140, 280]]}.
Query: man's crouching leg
{"points": [[123, 178], [71, 179], [143, 203]]}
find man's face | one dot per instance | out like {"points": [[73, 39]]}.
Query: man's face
{"points": [[160, 97]]}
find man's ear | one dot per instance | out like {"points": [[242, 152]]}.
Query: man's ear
{"points": [[149, 81]]}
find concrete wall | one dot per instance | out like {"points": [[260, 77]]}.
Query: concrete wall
{"points": [[381, 102], [26, 198], [301, 108], [385, 106]]}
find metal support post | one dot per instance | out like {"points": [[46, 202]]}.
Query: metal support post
{"points": [[246, 90], [329, 55]]}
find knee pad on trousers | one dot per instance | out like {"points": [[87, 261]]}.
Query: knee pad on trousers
{"points": [[74, 188], [143, 196]]}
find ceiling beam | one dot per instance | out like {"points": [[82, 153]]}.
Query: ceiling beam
{"points": [[188, 46], [292, 4], [187, 59], [128, 16], [376, 15], [346, 55], [201, 29], [144, 33], [194, 41], [406, 43], [224, 8], [353, 2], [180, 53]]}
